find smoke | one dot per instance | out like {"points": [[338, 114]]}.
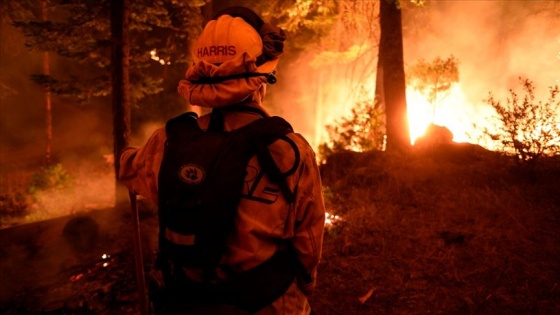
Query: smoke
{"points": [[496, 42]]}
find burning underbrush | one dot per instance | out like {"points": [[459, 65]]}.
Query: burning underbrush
{"points": [[449, 230]]}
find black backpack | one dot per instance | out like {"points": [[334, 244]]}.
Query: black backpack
{"points": [[200, 183]]}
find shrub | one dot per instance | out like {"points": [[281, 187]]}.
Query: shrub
{"points": [[434, 79], [14, 204], [52, 177], [363, 130], [525, 127]]}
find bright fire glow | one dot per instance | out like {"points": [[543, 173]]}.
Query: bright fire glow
{"points": [[331, 219], [452, 111]]}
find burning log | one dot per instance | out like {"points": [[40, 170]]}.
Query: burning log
{"points": [[433, 136]]}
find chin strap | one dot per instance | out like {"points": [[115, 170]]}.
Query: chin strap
{"points": [[270, 78]]}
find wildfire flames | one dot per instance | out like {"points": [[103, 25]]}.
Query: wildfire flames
{"points": [[491, 58], [453, 112]]}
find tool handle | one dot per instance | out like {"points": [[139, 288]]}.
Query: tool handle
{"points": [[139, 262]]}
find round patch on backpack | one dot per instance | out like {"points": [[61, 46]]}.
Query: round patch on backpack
{"points": [[192, 174]]}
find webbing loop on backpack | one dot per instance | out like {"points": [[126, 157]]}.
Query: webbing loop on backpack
{"points": [[275, 174]]}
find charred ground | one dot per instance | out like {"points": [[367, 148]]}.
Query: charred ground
{"points": [[453, 229]]}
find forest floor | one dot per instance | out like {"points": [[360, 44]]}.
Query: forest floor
{"points": [[453, 230]]}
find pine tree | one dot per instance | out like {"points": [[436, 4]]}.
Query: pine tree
{"points": [[120, 50], [391, 73], [80, 32], [434, 79], [48, 99], [120, 81]]}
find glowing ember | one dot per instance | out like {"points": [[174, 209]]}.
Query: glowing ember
{"points": [[331, 219], [76, 277], [154, 56], [105, 256], [105, 265]]}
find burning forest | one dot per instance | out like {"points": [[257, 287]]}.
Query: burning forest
{"points": [[465, 220]]}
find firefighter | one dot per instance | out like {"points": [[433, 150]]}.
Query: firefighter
{"points": [[234, 60]]}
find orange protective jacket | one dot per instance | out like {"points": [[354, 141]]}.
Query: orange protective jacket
{"points": [[260, 226]]}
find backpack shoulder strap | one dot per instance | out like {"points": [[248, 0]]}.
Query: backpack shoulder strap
{"points": [[275, 128], [187, 120], [275, 174], [267, 128]]}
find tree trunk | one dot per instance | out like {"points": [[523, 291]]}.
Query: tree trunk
{"points": [[391, 70], [120, 87], [48, 111]]}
